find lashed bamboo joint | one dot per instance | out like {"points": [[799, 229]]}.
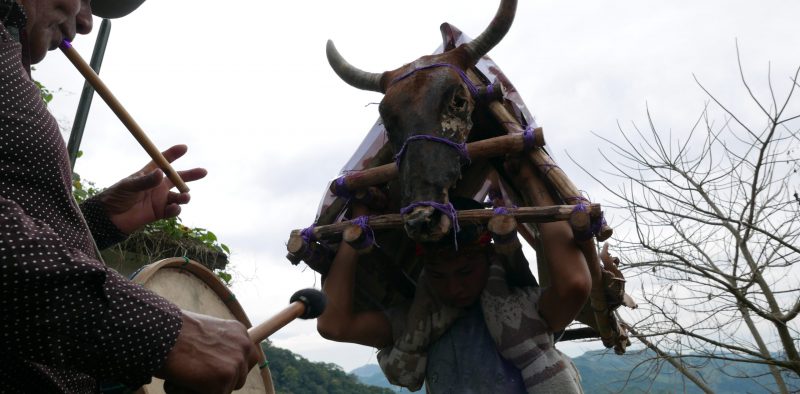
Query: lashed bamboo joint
{"points": [[491, 147], [358, 238], [504, 233], [315, 255], [334, 232]]}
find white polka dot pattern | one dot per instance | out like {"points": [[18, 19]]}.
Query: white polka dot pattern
{"points": [[66, 321]]}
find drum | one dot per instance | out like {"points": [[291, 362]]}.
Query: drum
{"points": [[193, 287]]}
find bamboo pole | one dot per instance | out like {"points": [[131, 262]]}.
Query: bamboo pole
{"points": [[123, 115], [523, 172], [333, 232], [487, 148]]}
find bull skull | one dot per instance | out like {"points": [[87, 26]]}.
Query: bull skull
{"points": [[429, 96]]}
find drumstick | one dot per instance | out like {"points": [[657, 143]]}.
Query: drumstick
{"points": [[304, 304], [122, 114]]}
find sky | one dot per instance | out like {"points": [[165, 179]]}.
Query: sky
{"points": [[247, 86]]}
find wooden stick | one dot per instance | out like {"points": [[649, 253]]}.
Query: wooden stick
{"points": [[316, 256], [123, 115], [357, 238], [483, 149], [552, 172], [262, 331], [553, 213], [504, 234]]}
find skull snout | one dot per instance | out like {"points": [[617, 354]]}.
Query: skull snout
{"points": [[426, 224]]}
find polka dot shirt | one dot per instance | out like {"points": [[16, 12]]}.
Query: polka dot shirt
{"points": [[67, 322]]}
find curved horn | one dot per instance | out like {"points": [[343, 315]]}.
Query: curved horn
{"points": [[353, 76], [494, 33]]}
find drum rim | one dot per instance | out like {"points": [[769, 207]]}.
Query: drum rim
{"points": [[201, 272], [222, 291]]}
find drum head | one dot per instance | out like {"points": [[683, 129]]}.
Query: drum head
{"points": [[194, 288]]}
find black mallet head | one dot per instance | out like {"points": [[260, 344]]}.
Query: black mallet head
{"points": [[314, 301]]}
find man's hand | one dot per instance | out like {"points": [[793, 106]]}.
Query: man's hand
{"points": [[145, 195], [211, 355]]}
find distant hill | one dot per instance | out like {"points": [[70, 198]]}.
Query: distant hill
{"points": [[605, 372], [293, 374], [371, 374]]}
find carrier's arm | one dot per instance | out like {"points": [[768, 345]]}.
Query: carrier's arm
{"points": [[570, 281], [339, 322]]}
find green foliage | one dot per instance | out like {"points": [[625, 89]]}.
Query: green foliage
{"points": [[82, 189], [47, 94], [172, 228], [293, 374]]}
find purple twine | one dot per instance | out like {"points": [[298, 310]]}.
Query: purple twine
{"points": [[66, 44], [585, 234], [369, 235], [446, 209], [472, 89], [546, 168], [503, 239], [529, 138], [460, 148], [488, 95], [501, 211], [597, 224], [340, 188], [308, 234], [579, 199]]}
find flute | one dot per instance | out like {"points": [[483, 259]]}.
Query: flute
{"points": [[123, 115]]}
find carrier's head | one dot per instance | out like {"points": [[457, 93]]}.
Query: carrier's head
{"points": [[457, 269]]}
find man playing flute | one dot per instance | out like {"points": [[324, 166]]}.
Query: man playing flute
{"points": [[68, 323]]}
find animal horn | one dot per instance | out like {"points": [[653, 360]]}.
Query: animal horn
{"points": [[494, 33], [353, 76]]}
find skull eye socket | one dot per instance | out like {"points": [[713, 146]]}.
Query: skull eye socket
{"points": [[459, 102]]}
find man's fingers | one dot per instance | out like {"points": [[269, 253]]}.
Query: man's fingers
{"points": [[142, 182], [178, 198], [170, 154], [255, 355], [250, 360], [175, 152], [172, 210], [242, 378], [193, 174]]}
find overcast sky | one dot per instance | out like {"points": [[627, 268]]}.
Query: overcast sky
{"points": [[246, 85]]}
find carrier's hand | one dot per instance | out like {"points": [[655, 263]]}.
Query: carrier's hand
{"points": [[211, 356], [145, 196]]}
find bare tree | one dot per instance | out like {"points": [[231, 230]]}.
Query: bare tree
{"points": [[714, 227]]}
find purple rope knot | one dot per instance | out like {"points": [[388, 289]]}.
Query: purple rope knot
{"points": [[446, 209], [308, 234], [501, 211], [503, 239], [529, 138], [340, 188], [585, 234], [369, 235], [597, 224], [460, 148]]}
